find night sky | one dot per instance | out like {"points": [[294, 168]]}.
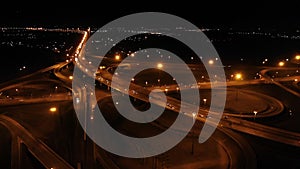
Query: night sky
{"points": [[281, 14]]}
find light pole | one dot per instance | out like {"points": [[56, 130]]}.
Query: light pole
{"points": [[255, 112], [194, 118], [159, 66], [117, 57], [297, 58], [238, 76], [204, 101], [281, 63]]}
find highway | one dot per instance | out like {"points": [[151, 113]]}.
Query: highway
{"points": [[248, 127], [228, 122], [277, 80], [139, 92], [35, 88], [40, 150], [238, 124]]}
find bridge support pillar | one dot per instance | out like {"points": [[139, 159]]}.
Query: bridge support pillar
{"points": [[16, 152]]}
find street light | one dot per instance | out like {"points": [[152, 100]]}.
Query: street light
{"points": [[238, 76], [53, 109], [204, 100], [159, 65], [194, 117], [255, 112], [117, 57], [211, 62], [297, 60], [281, 64]]}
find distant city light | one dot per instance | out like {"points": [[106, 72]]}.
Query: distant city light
{"points": [[297, 57], [211, 62]]}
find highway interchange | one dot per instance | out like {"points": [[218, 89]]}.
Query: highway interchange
{"points": [[234, 154]]}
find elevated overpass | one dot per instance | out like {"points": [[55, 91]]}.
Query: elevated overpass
{"points": [[44, 154]]}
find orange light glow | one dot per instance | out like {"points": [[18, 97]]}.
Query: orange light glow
{"points": [[238, 76], [281, 63], [117, 57], [53, 109]]}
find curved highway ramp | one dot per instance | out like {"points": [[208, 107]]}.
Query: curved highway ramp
{"points": [[45, 155]]}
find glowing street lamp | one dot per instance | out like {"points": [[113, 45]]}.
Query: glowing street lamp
{"points": [[255, 112], [238, 76], [194, 117], [71, 77], [159, 65], [204, 100], [53, 109], [117, 57], [211, 62], [297, 57], [281, 64]]}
